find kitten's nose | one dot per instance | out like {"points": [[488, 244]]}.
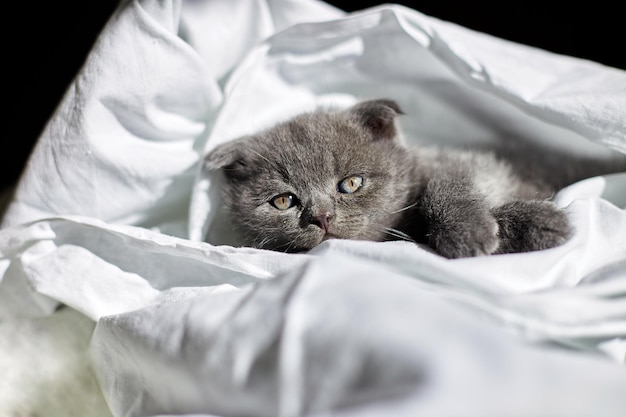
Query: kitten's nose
{"points": [[322, 220]]}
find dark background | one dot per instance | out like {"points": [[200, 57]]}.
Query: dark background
{"points": [[45, 45]]}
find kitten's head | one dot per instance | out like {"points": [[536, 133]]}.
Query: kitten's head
{"points": [[320, 175]]}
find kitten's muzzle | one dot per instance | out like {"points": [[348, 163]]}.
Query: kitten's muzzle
{"points": [[322, 220]]}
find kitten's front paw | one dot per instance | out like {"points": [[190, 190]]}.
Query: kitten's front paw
{"points": [[531, 225], [475, 236]]}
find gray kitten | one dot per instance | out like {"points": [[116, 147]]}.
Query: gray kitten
{"points": [[346, 174]]}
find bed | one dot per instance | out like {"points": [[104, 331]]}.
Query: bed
{"points": [[121, 293]]}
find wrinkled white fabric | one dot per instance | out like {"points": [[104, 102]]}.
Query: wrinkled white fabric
{"points": [[111, 212]]}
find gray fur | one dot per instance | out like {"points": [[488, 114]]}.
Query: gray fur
{"points": [[460, 202]]}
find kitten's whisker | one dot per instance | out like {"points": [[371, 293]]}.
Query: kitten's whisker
{"points": [[403, 208], [399, 234], [263, 242], [290, 246]]}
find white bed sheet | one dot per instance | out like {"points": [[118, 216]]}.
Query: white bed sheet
{"points": [[111, 211]]}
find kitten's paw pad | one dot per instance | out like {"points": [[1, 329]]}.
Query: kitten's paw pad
{"points": [[531, 225], [475, 237]]}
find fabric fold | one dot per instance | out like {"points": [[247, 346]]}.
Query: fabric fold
{"points": [[115, 218]]}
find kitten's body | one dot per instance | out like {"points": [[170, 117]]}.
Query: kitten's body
{"points": [[346, 175]]}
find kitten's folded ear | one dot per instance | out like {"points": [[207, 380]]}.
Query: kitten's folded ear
{"points": [[229, 157], [377, 116]]}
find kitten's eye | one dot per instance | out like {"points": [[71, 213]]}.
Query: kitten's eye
{"points": [[351, 184], [284, 201]]}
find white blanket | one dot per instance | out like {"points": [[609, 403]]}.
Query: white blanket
{"points": [[111, 212]]}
